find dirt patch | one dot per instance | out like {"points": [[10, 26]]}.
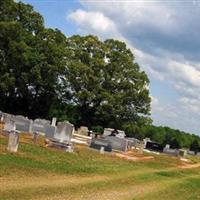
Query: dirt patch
{"points": [[189, 166], [133, 158]]}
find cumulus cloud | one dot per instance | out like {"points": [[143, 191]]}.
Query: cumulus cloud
{"points": [[164, 37], [94, 22]]}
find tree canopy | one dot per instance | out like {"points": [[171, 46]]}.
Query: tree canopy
{"points": [[31, 59], [105, 83]]}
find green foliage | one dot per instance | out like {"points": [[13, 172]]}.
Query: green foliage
{"points": [[163, 135], [195, 146], [105, 82], [97, 129], [31, 60]]}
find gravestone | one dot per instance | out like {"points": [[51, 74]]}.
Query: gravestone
{"points": [[49, 131], [133, 143], [154, 146], [13, 142], [174, 152], [53, 123], [39, 125], [64, 131], [98, 143], [42, 121], [102, 150], [190, 152], [9, 125], [145, 140], [120, 144], [83, 130], [167, 146], [141, 147], [182, 152], [35, 136], [108, 132], [38, 128], [22, 124], [198, 153]]}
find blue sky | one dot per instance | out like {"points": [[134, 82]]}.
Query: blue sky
{"points": [[164, 37]]}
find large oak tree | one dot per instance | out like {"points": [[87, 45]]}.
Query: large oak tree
{"points": [[31, 60], [105, 82]]}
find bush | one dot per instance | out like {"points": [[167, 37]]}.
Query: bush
{"points": [[97, 129]]}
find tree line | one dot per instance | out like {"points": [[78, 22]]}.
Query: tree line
{"points": [[165, 135], [44, 73]]}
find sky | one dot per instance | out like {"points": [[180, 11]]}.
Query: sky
{"points": [[164, 37]]}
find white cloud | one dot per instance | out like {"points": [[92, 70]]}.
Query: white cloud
{"points": [[164, 37], [94, 22]]}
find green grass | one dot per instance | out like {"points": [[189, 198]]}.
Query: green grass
{"points": [[37, 172]]}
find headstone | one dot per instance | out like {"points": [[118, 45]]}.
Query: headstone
{"points": [[174, 152], [133, 143], [167, 146], [9, 125], [154, 146], [38, 128], [97, 143], [102, 150], [69, 149], [64, 131], [50, 131], [83, 130], [35, 136], [22, 124], [141, 147], [190, 152], [108, 132], [120, 144], [42, 121], [53, 123], [13, 142], [182, 152], [145, 140], [43, 127]]}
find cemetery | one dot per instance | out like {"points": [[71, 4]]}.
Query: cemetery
{"points": [[63, 135], [72, 158], [99, 100]]}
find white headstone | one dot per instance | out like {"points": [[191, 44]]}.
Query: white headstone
{"points": [[9, 125], [167, 146], [102, 150], [13, 142], [83, 130], [53, 123], [64, 131]]}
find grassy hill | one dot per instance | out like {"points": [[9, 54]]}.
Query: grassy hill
{"points": [[38, 173]]}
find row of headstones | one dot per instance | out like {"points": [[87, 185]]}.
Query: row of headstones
{"points": [[110, 143], [16, 124]]}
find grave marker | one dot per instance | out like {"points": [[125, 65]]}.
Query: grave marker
{"points": [[13, 142], [64, 131]]}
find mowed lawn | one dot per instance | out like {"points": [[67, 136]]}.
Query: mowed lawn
{"points": [[40, 173]]}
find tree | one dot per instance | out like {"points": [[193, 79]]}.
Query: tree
{"points": [[195, 146], [105, 83], [31, 61], [174, 144]]}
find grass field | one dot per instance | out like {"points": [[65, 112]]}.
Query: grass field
{"points": [[41, 173]]}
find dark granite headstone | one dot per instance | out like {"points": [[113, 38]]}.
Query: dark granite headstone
{"points": [[98, 143]]}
